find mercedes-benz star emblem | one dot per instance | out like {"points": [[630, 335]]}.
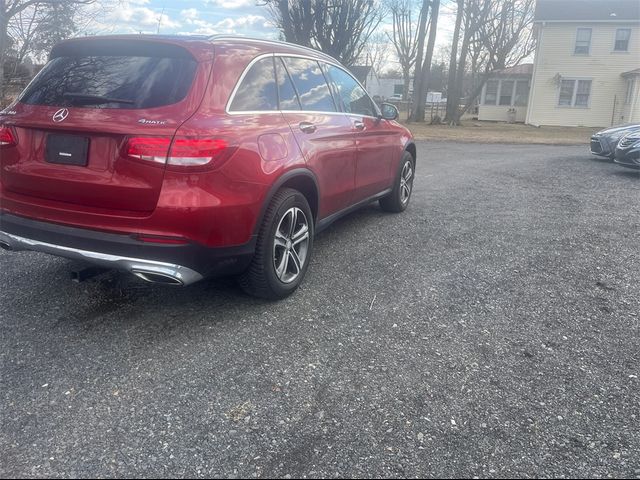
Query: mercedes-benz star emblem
{"points": [[60, 115]]}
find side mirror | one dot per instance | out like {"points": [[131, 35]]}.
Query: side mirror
{"points": [[389, 111]]}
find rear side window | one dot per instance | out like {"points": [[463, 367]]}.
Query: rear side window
{"points": [[118, 81], [257, 92], [311, 85]]}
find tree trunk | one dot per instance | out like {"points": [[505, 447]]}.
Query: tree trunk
{"points": [[420, 93], [287, 27], [406, 75], [422, 34], [451, 81], [460, 72]]}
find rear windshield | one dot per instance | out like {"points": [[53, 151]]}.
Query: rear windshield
{"points": [[103, 81]]}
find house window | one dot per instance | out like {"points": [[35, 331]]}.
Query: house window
{"points": [[574, 93], [622, 40], [506, 92], [631, 86], [583, 41], [522, 93], [491, 92], [398, 89]]}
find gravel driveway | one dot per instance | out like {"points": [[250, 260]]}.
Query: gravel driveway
{"points": [[492, 330]]}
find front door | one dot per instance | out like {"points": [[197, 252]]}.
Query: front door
{"points": [[323, 134]]}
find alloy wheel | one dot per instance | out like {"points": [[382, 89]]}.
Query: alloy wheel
{"points": [[291, 245]]}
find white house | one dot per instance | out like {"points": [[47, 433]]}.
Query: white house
{"points": [[587, 63], [505, 96]]}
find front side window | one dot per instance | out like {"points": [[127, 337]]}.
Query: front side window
{"points": [[506, 92], [574, 93], [491, 92], [308, 79], [583, 41], [622, 40], [354, 98], [257, 92]]}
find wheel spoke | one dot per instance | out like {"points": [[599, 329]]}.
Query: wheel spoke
{"points": [[281, 270], [294, 221], [281, 240], [300, 235], [296, 260], [408, 174], [406, 191]]}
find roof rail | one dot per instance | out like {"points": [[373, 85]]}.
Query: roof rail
{"points": [[277, 42]]}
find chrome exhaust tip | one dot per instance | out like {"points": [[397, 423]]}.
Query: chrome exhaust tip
{"points": [[5, 246], [155, 277]]}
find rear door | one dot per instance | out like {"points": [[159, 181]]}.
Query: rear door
{"points": [[322, 132], [73, 123], [376, 140]]}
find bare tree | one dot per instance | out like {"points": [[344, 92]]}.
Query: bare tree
{"points": [[20, 22], [339, 28], [498, 34], [453, 64], [404, 38], [376, 51], [422, 74]]}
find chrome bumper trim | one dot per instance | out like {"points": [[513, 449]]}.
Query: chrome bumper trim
{"points": [[183, 275]]}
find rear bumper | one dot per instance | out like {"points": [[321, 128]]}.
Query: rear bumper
{"points": [[177, 264]]}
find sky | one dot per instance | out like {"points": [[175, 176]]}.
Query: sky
{"points": [[208, 17]]}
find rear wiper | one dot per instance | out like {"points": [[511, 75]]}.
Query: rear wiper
{"points": [[94, 99]]}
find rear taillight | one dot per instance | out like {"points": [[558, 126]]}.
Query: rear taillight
{"points": [[185, 153], [151, 149], [196, 152], [7, 137]]}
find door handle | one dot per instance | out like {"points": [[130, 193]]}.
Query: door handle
{"points": [[307, 127], [359, 125]]}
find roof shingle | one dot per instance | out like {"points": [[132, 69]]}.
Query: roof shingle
{"points": [[587, 10]]}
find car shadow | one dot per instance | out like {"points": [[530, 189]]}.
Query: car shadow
{"points": [[116, 299], [628, 173]]}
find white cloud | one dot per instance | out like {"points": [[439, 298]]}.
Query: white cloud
{"points": [[189, 14], [248, 21], [144, 17], [231, 4]]}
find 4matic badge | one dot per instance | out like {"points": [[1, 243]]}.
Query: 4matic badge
{"points": [[144, 121]]}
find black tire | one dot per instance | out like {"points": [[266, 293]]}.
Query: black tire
{"points": [[261, 278], [398, 200]]}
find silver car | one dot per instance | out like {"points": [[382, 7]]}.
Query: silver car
{"points": [[604, 143]]}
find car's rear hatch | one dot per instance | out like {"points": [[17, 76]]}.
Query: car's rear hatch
{"points": [[73, 123]]}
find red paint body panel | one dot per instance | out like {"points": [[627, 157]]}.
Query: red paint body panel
{"points": [[219, 206]]}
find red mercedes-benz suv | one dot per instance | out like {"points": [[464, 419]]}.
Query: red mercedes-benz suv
{"points": [[179, 158]]}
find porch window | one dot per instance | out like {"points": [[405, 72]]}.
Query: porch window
{"points": [[622, 40], [522, 93], [583, 41], [491, 92], [506, 92]]}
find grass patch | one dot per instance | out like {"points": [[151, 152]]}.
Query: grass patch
{"points": [[496, 132]]}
